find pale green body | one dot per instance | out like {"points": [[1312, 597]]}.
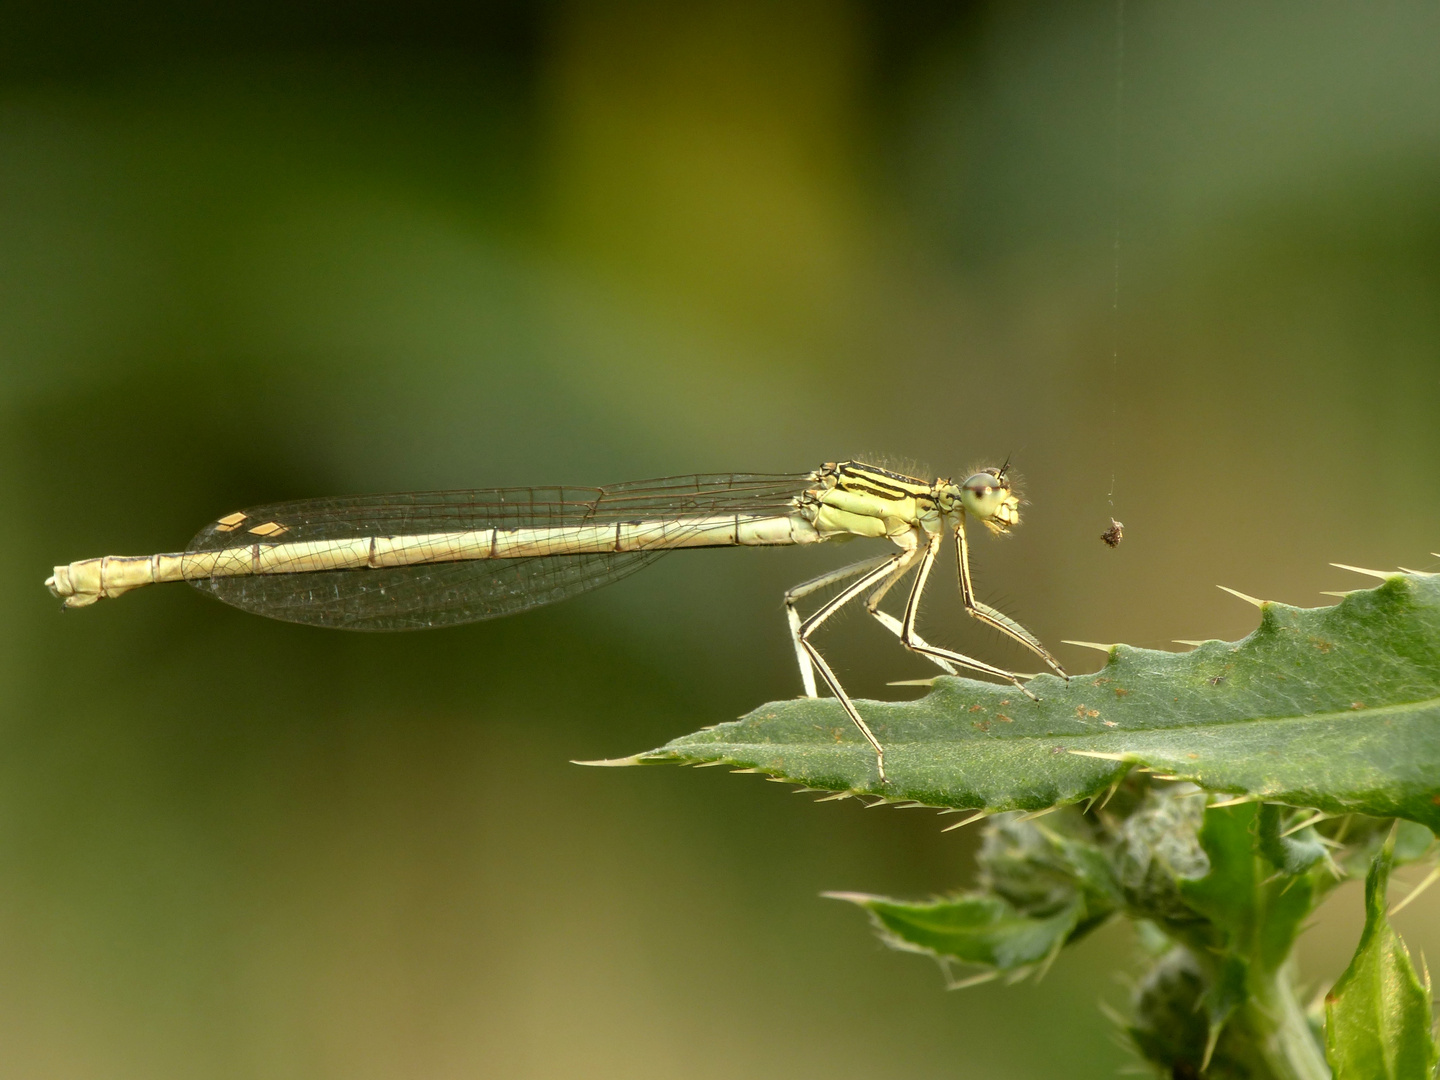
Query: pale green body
{"points": [[842, 500]]}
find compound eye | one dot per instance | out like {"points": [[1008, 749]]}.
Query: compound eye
{"points": [[983, 495], [981, 483]]}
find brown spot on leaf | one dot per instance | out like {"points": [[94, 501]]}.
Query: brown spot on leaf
{"points": [[981, 725], [1003, 718]]}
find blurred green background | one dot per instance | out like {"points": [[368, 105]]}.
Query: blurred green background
{"points": [[279, 250]]}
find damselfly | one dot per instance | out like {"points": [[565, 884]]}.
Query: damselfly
{"points": [[418, 560]]}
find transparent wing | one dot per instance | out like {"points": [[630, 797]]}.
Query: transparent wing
{"points": [[445, 594]]}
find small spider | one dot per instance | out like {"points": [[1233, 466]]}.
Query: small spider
{"points": [[1114, 534]]}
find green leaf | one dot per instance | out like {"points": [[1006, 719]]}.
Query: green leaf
{"points": [[1333, 708], [1043, 885], [973, 929], [1378, 1024]]}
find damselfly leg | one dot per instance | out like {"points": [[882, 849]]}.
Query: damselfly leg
{"points": [[912, 641], [804, 589], [880, 575], [812, 654], [885, 619], [989, 615]]}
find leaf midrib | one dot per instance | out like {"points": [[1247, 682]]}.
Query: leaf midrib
{"points": [[1369, 712]]}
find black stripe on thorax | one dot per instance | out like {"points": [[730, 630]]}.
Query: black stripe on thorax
{"points": [[855, 477], [850, 466]]}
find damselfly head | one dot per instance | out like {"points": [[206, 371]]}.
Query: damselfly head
{"points": [[987, 494]]}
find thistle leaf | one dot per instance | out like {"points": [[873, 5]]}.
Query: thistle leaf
{"points": [[1334, 708], [1042, 885], [1377, 1016]]}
